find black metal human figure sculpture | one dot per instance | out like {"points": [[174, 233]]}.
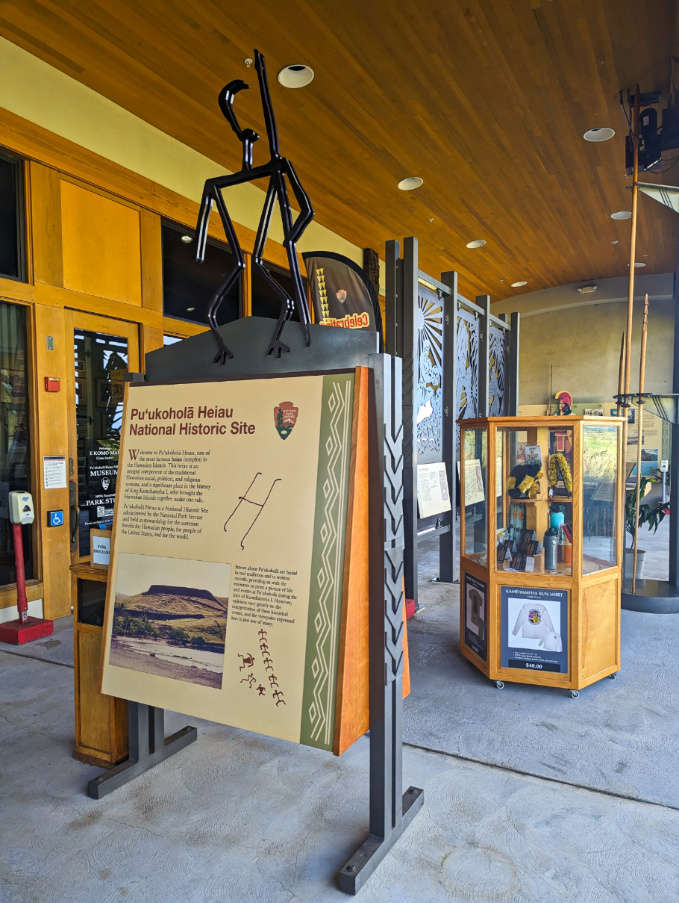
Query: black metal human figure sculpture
{"points": [[276, 169]]}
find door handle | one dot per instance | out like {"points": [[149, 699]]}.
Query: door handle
{"points": [[74, 513]]}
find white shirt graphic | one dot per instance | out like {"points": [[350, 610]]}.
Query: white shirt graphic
{"points": [[533, 621], [551, 642]]}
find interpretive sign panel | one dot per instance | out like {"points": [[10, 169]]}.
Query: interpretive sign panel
{"points": [[535, 629], [476, 611], [225, 598], [433, 496]]}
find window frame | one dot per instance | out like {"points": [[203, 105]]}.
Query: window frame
{"points": [[19, 164]]}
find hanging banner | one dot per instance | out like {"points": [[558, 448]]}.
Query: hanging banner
{"points": [[341, 294]]}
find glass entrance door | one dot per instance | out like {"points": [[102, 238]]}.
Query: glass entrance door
{"points": [[104, 350]]}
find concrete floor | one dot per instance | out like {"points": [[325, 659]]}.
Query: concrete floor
{"points": [[529, 795]]}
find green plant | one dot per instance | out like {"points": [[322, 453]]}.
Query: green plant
{"points": [[650, 516]]}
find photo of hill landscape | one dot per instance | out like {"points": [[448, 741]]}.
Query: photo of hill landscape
{"points": [[175, 631]]}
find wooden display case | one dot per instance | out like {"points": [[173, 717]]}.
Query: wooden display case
{"points": [[521, 620]]}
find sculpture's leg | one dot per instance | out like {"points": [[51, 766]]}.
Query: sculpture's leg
{"points": [[292, 232], [231, 277], [288, 305]]}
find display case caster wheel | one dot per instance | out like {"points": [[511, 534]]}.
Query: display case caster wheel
{"points": [[500, 684], [574, 694], [613, 675]]}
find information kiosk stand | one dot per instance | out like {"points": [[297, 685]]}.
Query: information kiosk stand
{"points": [[541, 548]]}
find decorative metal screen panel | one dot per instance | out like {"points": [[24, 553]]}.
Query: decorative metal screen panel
{"points": [[467, 369], [429, 376], [497, 367]]}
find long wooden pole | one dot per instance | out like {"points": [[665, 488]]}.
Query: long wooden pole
{"points": [[630, 294], [640, 439], [633, 240]]}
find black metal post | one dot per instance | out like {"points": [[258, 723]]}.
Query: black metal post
{"points": [[391, 810], [674, 451], [448, 542], [484, 355], [512, 370], [393, 299], [410, 363], [148, 747]]}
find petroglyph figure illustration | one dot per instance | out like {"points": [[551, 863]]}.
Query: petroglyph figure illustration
{"points": [[278, 696], [277, 169], [247, 659], [262, 690], [262, 633], [258, 505], [268, 661], [272, 680], [250, 680]]}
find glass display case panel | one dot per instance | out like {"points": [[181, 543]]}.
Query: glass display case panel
{"points": [[475, 461], [529, 504], [600, 502]]}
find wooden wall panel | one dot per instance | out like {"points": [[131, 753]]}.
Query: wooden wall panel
{"points": [[51, 438], [45, 208], [101, 241], [151, 261]]}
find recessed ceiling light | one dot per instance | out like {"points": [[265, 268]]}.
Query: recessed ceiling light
{"points": [[477, 243], [622, 214], [190, 308], [603, 134], [638, 264], [587, 289], [187, 239], [296, 76], [615, 241], [410, 183], [518, 284]]}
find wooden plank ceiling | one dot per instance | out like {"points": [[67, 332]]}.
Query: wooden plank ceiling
{"points": [[486, 100]]}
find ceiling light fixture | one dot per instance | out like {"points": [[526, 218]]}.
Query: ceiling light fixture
{"points": [[615, 241], [518, 284], [187, 239], [190, 308], [638, 264], [296, 76], [622, 214], [602, 134], [411, 183], [587, 289], [477, 243]]}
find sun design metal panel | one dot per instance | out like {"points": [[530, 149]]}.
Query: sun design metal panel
{"points": [[429, 388], [497, 366], [467, 369]]}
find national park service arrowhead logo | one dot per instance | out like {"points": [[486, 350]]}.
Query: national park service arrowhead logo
{"points": [[284, 418], [341, 296]]}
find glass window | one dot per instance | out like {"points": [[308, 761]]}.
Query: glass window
{"points": [[599, 478], [15, 468], [101, 362], [188, 286], [11, 218], [266, 302], [475, 494]]}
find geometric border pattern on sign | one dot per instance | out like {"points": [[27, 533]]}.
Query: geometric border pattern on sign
{"points": [[327, 567]]}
